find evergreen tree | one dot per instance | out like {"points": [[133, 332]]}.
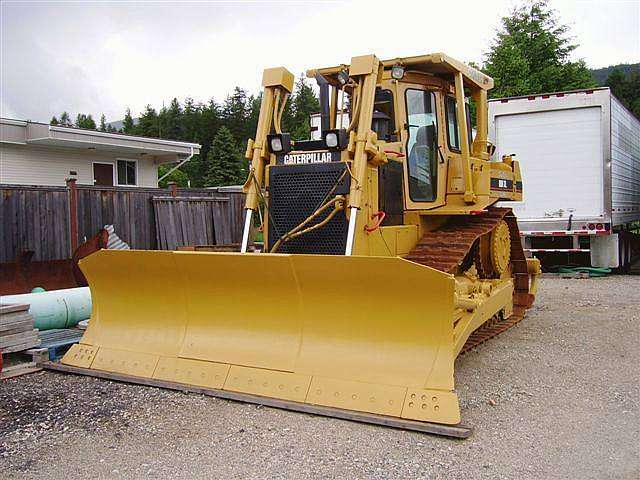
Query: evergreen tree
{"points": [[194, 131], [531, 54], [626, 88], [254, 114], [85, 121], [103, 123], [172, 121], [128, 125], [148, 125], [65, 119], [190, 120], [235, 113], [54, 121], [223, 159], [304, 103]]}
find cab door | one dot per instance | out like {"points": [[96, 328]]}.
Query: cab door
{"points": [[425, 172]]}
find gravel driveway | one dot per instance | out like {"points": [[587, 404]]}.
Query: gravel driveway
{"points": [[557, 396]]}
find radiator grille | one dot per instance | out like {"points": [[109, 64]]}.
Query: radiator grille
{"points": [[295, 191]]}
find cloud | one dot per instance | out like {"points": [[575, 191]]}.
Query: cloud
{"points": [[103, 57]]}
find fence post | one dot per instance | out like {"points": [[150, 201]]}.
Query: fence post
{"points": [[73, 213], [173, 186]]}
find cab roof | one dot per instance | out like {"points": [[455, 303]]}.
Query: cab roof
{"points": [[437, 64]]}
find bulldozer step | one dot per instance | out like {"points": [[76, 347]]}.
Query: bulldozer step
{"points": [[454, 431]]}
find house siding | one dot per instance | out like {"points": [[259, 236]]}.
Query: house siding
{"points": [[35, 165]]}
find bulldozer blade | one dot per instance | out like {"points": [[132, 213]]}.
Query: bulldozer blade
{"points": [[360, 334]]}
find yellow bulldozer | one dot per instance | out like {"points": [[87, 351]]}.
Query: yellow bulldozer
{"points": [[384, 257]]}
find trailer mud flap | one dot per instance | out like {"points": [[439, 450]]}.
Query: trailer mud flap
{"points": [[368, 334]]}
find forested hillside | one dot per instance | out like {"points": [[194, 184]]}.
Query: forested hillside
{"points": [[624, 81], [600, 74]]}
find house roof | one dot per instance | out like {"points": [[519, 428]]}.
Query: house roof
{"points": [[25, 132]]}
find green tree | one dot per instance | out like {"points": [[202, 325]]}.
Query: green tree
{"points": [[235, 113], [174, 120], [178, 176], [223, 160], [304, 103], [148, 125], [626, 88], [128, 125], [85, 121], [53, 121], [65, 119], [103, 123], [190, 120], [531, 53]]}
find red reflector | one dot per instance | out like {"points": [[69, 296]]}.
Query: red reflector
{"points": [[589, 91], [504, 101], [545, 96], [591, 226], [599, 226], [531, 98], [584, 227], [477, 212], [559, 94]]}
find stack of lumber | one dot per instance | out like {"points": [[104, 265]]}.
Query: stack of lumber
{"points": [[16, 328]]}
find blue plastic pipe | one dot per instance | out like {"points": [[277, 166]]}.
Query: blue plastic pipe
{"points": [[56, 308]]}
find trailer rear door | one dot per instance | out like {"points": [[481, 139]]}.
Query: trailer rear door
{"points": [[560, 152]]}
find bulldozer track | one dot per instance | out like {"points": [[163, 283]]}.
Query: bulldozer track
{"points": [[453, 246]]}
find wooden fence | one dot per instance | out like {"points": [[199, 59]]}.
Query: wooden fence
{"points": [[42, 219], [196, 221], [34, 218]]}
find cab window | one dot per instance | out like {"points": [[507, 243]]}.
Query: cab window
{"points": [[452, 125], [422, 127], [453, 135], [383, 122]]}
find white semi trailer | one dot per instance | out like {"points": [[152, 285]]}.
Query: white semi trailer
{"points": [[580, 157]]}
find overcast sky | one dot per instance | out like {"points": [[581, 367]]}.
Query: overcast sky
{"points": [[100, 57]]}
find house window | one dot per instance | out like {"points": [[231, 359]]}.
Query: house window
{"points": [[127, 172]]}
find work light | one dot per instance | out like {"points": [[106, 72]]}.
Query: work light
{"points": [[336, 139], [343, 77], [397, 72], [279, 143]]}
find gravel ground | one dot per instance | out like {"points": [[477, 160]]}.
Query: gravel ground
{"points": [[557, 396]]}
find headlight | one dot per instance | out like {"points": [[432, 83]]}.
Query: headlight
{"points": [[276, 144], [279, 143], [331, 139], [336, 139]]}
